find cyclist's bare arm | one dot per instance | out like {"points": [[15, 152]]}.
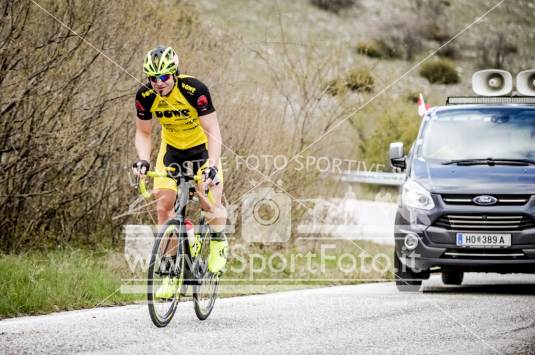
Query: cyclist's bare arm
{"points": [[216, 214], [143, 138], [210, 125]]}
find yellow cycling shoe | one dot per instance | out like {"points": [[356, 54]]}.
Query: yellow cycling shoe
{"points": [[167, 289], [218, 255]]}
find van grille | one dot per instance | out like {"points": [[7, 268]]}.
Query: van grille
{"points": [[485, 222], [503, 200]]}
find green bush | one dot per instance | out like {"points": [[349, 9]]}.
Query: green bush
{"points": [[357, 79], [360, 79], [370, 48], [382, 123], [336, 87], [440, 71], [377, 49]]}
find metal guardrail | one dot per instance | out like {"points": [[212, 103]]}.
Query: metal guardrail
{"points": [[378, 178]]}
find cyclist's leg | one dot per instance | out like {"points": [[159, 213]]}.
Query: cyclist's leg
{"points": [[216, 217], [217, 220], [165, 192], [164, 205]]}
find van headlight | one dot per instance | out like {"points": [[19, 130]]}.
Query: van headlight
{"points": [[414, 195]]}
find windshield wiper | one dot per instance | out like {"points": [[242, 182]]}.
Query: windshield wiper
{"points": [[492, 162]]}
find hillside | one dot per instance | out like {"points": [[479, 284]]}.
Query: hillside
{"points": [[285, 76], [267, 26], [300, 48]]}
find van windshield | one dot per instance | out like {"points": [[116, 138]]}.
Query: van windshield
{"points": [[498, 133]]}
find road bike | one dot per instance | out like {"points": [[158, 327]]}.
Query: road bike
{"points": [[179, 258]]}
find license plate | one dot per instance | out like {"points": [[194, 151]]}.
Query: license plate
{"points": [[490, 240]]}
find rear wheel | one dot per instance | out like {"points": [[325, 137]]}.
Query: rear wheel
{"points": [[406, 279], [452, 277], [166, 271], [205, 290]]}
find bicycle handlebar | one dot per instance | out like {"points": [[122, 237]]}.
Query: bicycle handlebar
{"points": [[155, 174]]}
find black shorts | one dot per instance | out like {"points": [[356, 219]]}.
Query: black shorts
{"points": [[190, 161]]}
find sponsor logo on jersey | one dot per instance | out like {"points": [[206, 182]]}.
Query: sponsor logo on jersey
{"points": [[190, 89], [172, 113], [202, 101], [147, 93], [139, 106]]}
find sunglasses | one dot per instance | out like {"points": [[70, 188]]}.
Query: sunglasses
{"points": [[162, 78]]}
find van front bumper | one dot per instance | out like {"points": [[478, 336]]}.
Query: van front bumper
{"points": [[437, 246]]}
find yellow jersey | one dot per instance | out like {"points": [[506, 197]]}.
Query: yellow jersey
{"points": [[178, 112]]}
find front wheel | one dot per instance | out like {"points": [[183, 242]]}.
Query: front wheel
{"points": [[205, 290], [165, 278], [406, 279]]}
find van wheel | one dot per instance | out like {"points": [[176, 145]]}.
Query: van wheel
{"points": [[406, 279], [452, 278]]}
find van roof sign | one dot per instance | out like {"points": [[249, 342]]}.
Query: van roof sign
{"points": [[466, 100]]}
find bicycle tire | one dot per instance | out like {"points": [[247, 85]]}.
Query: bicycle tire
{"points": [[159, 320], [209, 280]]}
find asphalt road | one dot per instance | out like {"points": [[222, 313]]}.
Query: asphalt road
{"points": [[489, 314]]}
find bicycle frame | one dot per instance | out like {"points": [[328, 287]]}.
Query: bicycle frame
{"points": [[182, 199], [196, 266]]}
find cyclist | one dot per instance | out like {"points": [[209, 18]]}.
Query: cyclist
{"points": [[190, 139]]}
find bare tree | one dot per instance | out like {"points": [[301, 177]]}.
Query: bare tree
{"points": [[66, 117]]}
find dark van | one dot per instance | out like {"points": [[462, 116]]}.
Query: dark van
{"points": [[468, 201]]}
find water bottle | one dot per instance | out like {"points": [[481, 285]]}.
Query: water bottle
{"points": [[192, 240]]}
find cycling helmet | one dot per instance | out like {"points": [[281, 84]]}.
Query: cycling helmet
{"points": [[160, 60]]}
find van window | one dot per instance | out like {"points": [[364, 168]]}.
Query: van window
{"points": [[498, 133]]}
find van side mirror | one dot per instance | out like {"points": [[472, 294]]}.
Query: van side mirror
{"points": [[397, 159]]}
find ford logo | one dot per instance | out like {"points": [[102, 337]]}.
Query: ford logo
{"points": [[485, 200]]}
